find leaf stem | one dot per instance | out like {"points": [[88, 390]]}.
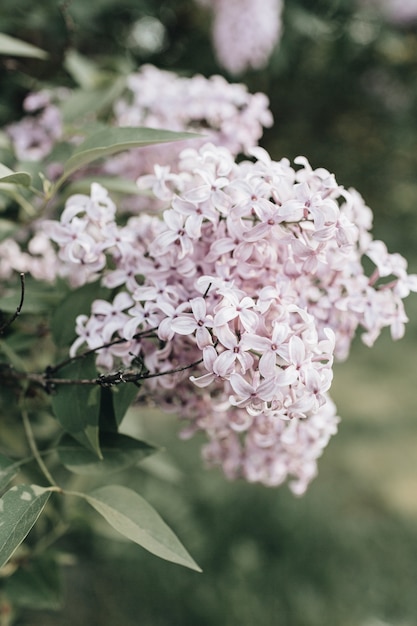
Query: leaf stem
{"points": [[21, 200]]}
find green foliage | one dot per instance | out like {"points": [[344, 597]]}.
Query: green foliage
{"points": [[83, 439], [37, 584], [118, 451], [91, 414], [114, 184], [39, 297], [342, 89], [76, 406], [8, 470], [20, 508], [14, 178], [123, 396], [109, 141], [136, 519], [15, 47]]}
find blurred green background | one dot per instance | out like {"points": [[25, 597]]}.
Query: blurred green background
{"points": [[343, 90]]}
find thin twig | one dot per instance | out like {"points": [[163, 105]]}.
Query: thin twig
{"points": [[48, 382], [52, 369], [68, 21], [106, 380], [207, 290], [19, 307]]}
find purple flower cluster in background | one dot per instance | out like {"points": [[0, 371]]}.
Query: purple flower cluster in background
{"points": [[244, 32]]}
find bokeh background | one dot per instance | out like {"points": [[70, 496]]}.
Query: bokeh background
{"points": [[343, 90]]}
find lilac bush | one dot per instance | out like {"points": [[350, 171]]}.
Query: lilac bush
{"points": [[173, 262]]}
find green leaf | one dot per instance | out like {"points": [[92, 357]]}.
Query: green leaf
{"points": [[109, 141], [36, 585], [77, 406], [20, 507], [114, 402], [119, 452], [133, 517], [17, 178], [113, 184], [107, 419], [92, 99], [123, 396], [83, 70], [18, 48], [77, 302], [83, 104], [8, 470]]}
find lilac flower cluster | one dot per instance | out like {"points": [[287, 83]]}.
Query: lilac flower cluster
{"points": [[224, 113], [244, 33], [35, 135], [254, 276]]}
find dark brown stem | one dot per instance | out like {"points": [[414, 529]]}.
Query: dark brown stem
{"points": [[104, 380], [52, 369], [19, 307]]}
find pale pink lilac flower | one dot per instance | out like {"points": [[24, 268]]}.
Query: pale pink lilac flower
{"points": [[40, 260], [224, 113], [12, 259], [85, 231], [236, 348], [198, 322], [261, 305], [254, 275]]}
